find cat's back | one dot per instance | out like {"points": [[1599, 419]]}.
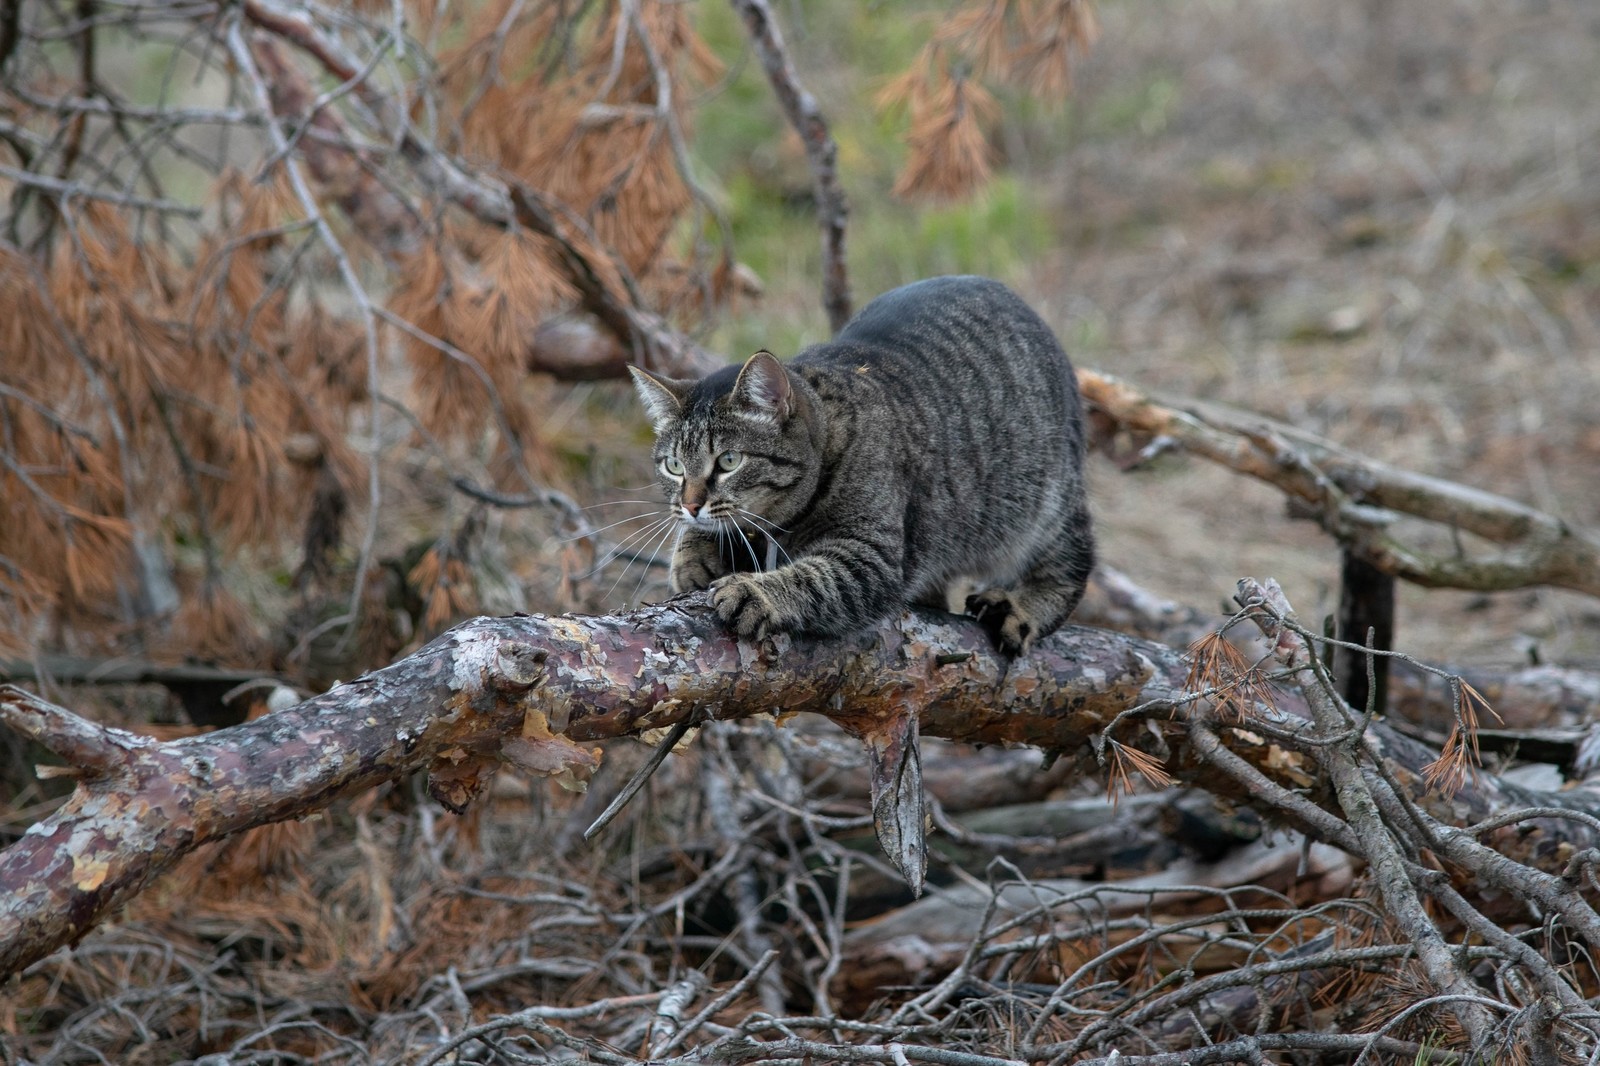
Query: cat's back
{"points": [[962, 353], [955, 395]]}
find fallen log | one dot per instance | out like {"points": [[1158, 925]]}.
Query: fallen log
{"points": [[531, 691]]}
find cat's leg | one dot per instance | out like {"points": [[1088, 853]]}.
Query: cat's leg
{"points": [[697, 561], [840, 585], [1044, 597]]}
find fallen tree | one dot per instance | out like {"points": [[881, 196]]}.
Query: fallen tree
{"points": [[532, 691]]}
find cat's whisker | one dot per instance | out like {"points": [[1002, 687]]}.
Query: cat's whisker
{"points": [[621, 551], [761, 524], [762, 519], [615, 503], [747, 545], [624, 572], [622, 546], [645, 569], [613, 525]]}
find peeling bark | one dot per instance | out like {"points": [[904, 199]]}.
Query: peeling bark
{"points": [[535, 691]]}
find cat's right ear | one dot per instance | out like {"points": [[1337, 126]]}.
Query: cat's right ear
{"points": [[662, 398], [763, 390]]}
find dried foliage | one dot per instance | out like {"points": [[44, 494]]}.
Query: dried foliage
{"points": [[242, 277], [217, 284], [1028, 45]]}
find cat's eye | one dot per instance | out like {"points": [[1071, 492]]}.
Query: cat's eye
{"points": [[672, 465], [729, 461]]}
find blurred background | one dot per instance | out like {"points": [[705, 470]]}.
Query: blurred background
{"points": [[292, 397]]}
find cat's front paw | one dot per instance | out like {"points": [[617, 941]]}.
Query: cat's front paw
{"points": [[695, 564], [744, 606], [688, 575]]}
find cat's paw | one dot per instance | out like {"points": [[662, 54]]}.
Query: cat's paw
{"points": [[1010, 630], [696, 563], [689, 574], [743, 606]]}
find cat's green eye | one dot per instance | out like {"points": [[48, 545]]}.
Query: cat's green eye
{"points": [[672, 465], [729, 461]]}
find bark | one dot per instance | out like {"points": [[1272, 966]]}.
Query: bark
{"points": [[533, 691]]}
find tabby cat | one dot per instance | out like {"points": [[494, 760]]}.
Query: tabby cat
{"points": [[936, 443]]}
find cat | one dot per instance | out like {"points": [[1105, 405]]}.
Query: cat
{"points": [[938, 439]]}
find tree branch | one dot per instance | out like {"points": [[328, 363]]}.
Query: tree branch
{"points": [[1355, 498], [647, 337], [529, 690], [822, 153]]}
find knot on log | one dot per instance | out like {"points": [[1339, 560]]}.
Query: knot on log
{"points": [[518, 668]]}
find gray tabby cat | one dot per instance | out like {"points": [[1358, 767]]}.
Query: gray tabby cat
{"points": [[937, 441]]}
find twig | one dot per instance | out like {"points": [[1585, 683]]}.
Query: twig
{"points": [[804, 114], [640, 776], [67, 191], [739, 988], [245, 61], [1355, 798]]}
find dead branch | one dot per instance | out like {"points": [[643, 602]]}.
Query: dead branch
{"points": [[527, 690], [1341, 762], [800, 107], [1356, 498]]}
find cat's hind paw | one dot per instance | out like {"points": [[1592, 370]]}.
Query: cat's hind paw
{"points": [[743, 606], [1010, 629]]}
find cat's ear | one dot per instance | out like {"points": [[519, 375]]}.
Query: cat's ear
{"points": [[662, 398], [762, 390]]}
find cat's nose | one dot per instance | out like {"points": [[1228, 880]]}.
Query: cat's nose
{"points": [[692, 509]]}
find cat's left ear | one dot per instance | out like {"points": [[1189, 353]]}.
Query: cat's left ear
{"points": [[763, 390]]}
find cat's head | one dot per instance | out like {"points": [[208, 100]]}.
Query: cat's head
{"points": [[733, 443]]}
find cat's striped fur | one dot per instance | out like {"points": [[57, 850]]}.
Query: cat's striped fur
{"points": [[938, 440]]}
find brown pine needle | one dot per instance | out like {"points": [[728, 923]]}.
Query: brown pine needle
{"points": [[1124, 762], [1216, 664]]}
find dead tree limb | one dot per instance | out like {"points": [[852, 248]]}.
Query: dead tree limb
{"points": [[1341, 760], [1356, 498], [531, 690], [800, 107]]}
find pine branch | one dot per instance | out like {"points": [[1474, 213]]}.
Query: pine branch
{"points": [[533, 691]]}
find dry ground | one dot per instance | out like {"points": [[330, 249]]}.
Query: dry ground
{"points": [[1380, 222]]}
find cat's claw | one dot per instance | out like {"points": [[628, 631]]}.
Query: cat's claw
{"points": [[743, 607], [1011, 632]]}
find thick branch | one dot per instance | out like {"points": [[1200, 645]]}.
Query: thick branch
{"points": [[1354, 497], [523, 689], [800, 107]]}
